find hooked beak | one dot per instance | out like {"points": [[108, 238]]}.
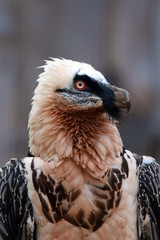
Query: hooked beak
{"points": [[122, 98]]}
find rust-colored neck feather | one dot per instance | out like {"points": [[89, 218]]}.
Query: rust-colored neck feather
{"points": [[88, 138]]}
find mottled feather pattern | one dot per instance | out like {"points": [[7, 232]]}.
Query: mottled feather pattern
{"points": [[16, 215], [76, 200], [57, 202], [47, 187], [149, 200], [16, 209]]}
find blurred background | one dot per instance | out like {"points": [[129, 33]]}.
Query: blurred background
{"points": [[119, 38]]}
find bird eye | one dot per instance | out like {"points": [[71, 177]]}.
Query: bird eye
{"points": [[80, 85]]}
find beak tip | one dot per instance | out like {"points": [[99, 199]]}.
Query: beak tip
{"points": [[122, 98], [128, 102], [128, 106]]}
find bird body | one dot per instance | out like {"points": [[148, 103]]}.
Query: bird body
{"points": [[89, 204], [78, 181]]}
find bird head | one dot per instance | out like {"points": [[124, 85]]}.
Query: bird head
{"points": [[78, 86]]}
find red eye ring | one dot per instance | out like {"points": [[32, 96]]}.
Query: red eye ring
{"points": [[80, 85]]}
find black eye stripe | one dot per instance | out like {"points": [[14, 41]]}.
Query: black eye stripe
{"points": [[84, 78], [96, 87], [91, 84]]}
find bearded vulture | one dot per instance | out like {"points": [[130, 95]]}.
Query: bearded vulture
{"points": [[78, 181]]}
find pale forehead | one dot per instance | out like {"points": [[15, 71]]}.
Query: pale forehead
{"points": [[60, 73], [92, 73]]}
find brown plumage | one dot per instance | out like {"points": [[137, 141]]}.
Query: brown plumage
{"points": [[78, 182], [81, 149]]}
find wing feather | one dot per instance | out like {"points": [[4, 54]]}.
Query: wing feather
{"points": [[149, 200], [16, 213]]}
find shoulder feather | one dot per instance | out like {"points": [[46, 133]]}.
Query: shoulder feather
{"points": [[16, 213], [149, 200]]}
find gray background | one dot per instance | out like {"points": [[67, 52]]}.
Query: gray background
{"points": [[119, 38]]}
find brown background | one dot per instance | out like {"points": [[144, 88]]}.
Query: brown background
{"points": [[119, 38]]}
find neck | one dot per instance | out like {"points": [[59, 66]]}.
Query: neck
{"points": [[88, 138]]}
